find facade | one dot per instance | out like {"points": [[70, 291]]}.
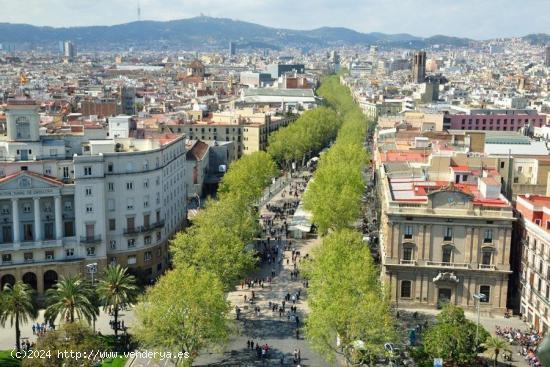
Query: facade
{"points": [[547, 56], [419, 67], [97, 201], [255, 79], [247, 128], [534, 233], [276, 70], [445, 240], [103, 107], [69, 50], [493, 119]]}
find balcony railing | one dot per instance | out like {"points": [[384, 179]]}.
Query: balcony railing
{"points": [[132, 230], [90, 239], [447, 264], [407, 262], [487, 267]]}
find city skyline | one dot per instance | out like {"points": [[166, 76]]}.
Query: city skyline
{"points": [[422, 18]]}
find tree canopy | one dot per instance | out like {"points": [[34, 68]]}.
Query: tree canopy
{"points": [[347, 300], [453, 337], [184, 312]]}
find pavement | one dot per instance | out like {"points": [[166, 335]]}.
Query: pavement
{"points": [[487, 321]]}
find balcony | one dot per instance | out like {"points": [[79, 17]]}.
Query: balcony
{"points": [[152, 226], [90, 239], [486, 267], [132, 230], [407, 262], [441, 264]]}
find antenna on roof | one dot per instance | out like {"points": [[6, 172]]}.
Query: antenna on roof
{"points": [[138, 11]]}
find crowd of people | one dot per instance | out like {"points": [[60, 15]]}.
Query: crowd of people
{"points": [[274, 250], [40, 329], [527, 340]]}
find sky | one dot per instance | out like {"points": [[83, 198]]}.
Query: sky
{"points": [[478, 19]]}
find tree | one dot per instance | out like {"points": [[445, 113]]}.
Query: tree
{"points": [[71, 295], [116, 290], [17, 304], [495, 345], [347, 300], [453, 337], [184, 312], [56, 345]]}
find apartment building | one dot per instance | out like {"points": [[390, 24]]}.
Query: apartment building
{"points": [[115, 201], [445, 235], [247, 128], [534, 234]]}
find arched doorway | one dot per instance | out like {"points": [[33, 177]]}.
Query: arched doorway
{"points": [[50, 279], [7, 279], [30, 279]]}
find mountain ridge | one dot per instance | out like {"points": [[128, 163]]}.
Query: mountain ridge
{"points": [[209, 32]]}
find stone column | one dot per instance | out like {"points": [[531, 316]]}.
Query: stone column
{"points": [[15, 221], [58, 218], [37, 221]]}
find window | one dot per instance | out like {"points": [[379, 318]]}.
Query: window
{"points": [[131, 260], [488, 238], [159, 236], [27, 208], [448, 235], [406, 289], [112, 244], [131, 242], [28, 256], [407, 253], [447, 254], [148, 256], [68, 206], [87, 171], [129, 185], [50, 255], [146, 183], [6, 258], [539, 286], [88, 191], [130, 204], [112, 224], [486, 290], [147, 240], [111, 186], [48, 171], [89, 208], [110, 167], [486, 257], [69, 252], [408, 232], [111, 204], [146, 201], [90, 251]]}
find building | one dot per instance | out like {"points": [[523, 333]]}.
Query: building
{"points": [[547, 56], [128, 100], [275, 97], [69, 50], [493, 119], [101, 107], [232, 48], [534, 240], [419, 67], [276, 70], [67, 201], [445, 234], [254, 80], [247, 128]]}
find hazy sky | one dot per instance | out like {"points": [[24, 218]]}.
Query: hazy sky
{"points": [[470, 18]]}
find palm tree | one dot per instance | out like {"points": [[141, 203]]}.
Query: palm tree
{"points": [[71, 295], [117, 289], [496, 345], [17, 303]]}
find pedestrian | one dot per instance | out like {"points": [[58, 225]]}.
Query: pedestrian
{"points": [[299, 356], [33, 329]]}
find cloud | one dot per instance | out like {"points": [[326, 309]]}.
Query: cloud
{"points": [[470, 18]]}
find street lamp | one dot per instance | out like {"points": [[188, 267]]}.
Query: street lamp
{"points": [[92, 269], [480, 297]]}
